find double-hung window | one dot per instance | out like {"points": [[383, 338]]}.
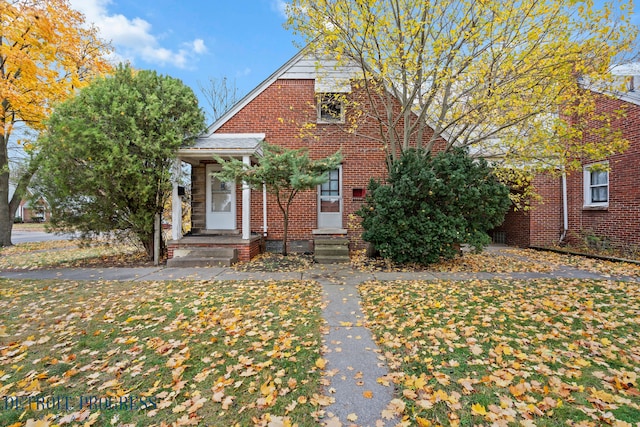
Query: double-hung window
{"points": [[596, 186]]}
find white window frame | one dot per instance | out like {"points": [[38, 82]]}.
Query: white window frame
{"points": [[323, 99], [587, 172]]}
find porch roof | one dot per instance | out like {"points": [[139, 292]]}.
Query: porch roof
{"points": [[223, 145]]}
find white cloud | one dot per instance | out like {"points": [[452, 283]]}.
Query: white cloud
{"points": [[244, 72], [133, 38], [279, 6], [199, 46]]}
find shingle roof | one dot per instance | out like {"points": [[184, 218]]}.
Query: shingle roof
{"points": [[229, 141], [223, 144]]}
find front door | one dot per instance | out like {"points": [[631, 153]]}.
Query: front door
{"points": [[221, 202], [330, 201]]}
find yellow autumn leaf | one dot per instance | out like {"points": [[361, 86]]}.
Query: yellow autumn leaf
{"points": [[367, 394], [321, 363], [422, 422], [267, 388], [478, 409]]}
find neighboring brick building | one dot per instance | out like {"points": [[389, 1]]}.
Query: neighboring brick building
{"points": [[275, 112], [33, 210], [602, 207]]}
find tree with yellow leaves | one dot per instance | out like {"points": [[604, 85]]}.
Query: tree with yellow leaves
{"points": [[46, 53], [485, 74]]}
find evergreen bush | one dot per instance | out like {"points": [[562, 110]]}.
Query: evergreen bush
{"points": [[430, 205]]}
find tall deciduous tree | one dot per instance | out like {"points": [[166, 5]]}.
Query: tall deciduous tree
{"points": [[486, 74], [46, 52], [220, 94], [108, 152], [284, 172]]}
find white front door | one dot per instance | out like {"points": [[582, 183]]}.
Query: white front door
{"points": [[330, 201], [220, 203]]}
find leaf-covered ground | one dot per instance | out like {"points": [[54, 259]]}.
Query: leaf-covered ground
{"points": [[503, 353], [70, 253], [469, 262], [556, 260], [61, 254], [273, 262], [484, 262], [171, 353]]}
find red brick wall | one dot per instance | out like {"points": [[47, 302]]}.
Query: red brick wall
{"points": [[546, 223], [516, 227], [279, 112], [541, 224], [620, 222]]}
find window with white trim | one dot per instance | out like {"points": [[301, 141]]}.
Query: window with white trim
{"points": [[596, 185], [330, 108]]}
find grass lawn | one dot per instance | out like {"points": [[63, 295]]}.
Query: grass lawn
{"points": [[189, 353], [69, 253], [29, 226], [507, 353]]}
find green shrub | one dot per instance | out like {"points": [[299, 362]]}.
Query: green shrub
{"points": [[431, 205]]}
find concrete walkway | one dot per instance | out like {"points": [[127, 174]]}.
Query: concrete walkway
{"points": [[354, 363]]}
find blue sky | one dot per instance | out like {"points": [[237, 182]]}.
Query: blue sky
{"points": [[243, 40], [194, 40]]}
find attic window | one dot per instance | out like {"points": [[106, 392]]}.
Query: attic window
{"points": [[330, 108]]}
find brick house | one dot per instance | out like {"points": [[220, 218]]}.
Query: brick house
{"points": [[247, 221], [33, 210], [598, 207]]}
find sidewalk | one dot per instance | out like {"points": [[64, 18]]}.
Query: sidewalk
{"points": [[354, 363]]}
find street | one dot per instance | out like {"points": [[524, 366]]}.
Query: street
{"points": [[19, 236]]}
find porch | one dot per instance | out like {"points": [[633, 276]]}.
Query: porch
{"points": [[219, 236], [209, 249]]}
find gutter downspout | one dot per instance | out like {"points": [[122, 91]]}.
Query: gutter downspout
{"points": [[264, 210], [565, 209]]}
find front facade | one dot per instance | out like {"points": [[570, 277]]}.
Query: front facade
{"points": [[598, 205], [33, 210], [305, 104]]}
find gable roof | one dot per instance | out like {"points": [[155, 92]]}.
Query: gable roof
{"points": [[625, 85], [302, 65]]}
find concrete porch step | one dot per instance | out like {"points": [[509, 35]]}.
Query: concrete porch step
{"points": [[331, 250], [194, 262], [332, 260], [187, 257]]}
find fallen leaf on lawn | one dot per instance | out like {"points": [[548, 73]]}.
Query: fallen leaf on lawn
{"points": [[478, 409]]}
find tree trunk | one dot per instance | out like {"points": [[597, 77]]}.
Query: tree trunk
{"points": [[6, 216], [148, 241], [285, 231], [6, 225], [8, 207]]}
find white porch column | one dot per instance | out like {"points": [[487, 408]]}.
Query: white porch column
{"points": [[176, 203], [246, 204]]}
